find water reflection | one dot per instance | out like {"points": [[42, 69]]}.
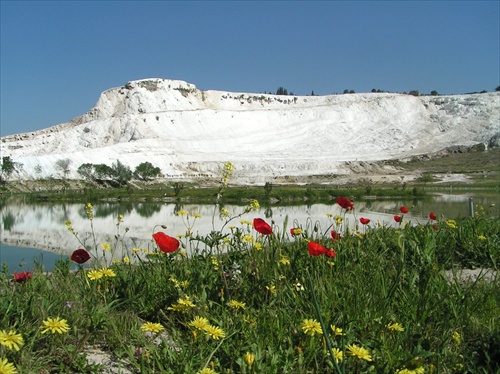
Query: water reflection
{"points": [[42, 226]]}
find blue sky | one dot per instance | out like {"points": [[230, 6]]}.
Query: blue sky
{"points": [[58, 56]]}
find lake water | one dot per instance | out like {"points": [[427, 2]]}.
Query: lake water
{"points": [[37, 232]]}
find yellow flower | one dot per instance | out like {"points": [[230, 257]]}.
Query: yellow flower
{"points": [[184, 284], [6, 367], [196, 215], [329, 215], [451, 223], [254, 205], [182, 305], [245, 222], [206, 371], [126, 260], [311, 327], [339, 355], [456, 337], [135, 250], [284, 260], [271, 288], [88, 210], [69, 226], [249, 358], [337, 331], [247, 239], [359, 352], [11, 340], [108, 272], [214, 332], [94, 274], [257, 246], [395, 327], [106, 246], [223, 213], [199, 323], [152, 327], [236, 304], [417, 370], [182, 213], [55, 326], [297, 231], [482, 238]]}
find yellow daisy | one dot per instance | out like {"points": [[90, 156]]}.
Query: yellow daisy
{"points": [[106, 246], [152, 327], [199, 323], [94, 274], [214, 332], [311, 327], [337, 331], [206, 371], [11, 340], [395, 327], [55, 326], [6, 367], [107, 272], [236, 304], [359, 352], [339, 355], [249, 358]]}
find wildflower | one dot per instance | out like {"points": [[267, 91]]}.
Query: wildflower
{"points": [[166, 243], [481, 237], [412, 370], [206, 371], [311, 327], [182, 305], [338, 354], [126, 260], [22, 277], [364, 221], [254, 205], [295, 231], [359, 352], [247, 238], [337, 331], [335, 235], [94, 274], [432, 216], [245, 222], [69, 226], [152, 327], [108, 272], [330, 253], [236, 304], [345, 203], [223, 213], [338, 220], [249, 358], [298, 287], [69, 304], [395, 327], [284, 260], [271, 288], [11, 340], [397, 219], [80, 256], [262, 227], [199, 323], [315, 249], [88, 210], [6, 367], [214, 332], [329, 215], [403, 209], [257, 246], [451, 223], [182, 213], [55, 326], [456, 337], [184, 284], [106, 246]]}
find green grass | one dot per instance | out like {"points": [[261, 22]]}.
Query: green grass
{"points": [[379, 276]]}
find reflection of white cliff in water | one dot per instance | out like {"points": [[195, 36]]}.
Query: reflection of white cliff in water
{"points": [[43, 225]]}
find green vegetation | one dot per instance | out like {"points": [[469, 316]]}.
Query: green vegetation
{"points": [[244, 300]]}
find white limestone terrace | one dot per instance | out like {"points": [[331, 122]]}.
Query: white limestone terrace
{"points": [[190, 133]]}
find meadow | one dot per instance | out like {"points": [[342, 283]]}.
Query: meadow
{"points": [[251, 297]]}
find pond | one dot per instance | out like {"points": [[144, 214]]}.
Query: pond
{"points": [[36, 233]]}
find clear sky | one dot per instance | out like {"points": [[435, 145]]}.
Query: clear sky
{"points": [[58, 56]]}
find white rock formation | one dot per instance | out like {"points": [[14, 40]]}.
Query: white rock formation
{"points": [[189, 133]]}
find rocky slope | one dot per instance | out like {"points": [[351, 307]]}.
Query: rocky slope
{"points": [[189, 133]]}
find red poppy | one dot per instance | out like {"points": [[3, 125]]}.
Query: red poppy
{"points": [[397, 218], [403, 210], [262, 227], [22, 276], [432, 216], [345, 203], [435, 227], [80, 256], [330, 253], [364, 221], [166, 243], [316, 249], [335, 235]]}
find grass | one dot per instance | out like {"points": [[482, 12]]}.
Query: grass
{"points": [[244, 302]]}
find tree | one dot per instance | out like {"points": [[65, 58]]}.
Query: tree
{"points": [[434, 93], [86, 171], [497, 89], [281, 91], [63, 165], [103, 171], [8, 167], [122, 173], [146, 170]]}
